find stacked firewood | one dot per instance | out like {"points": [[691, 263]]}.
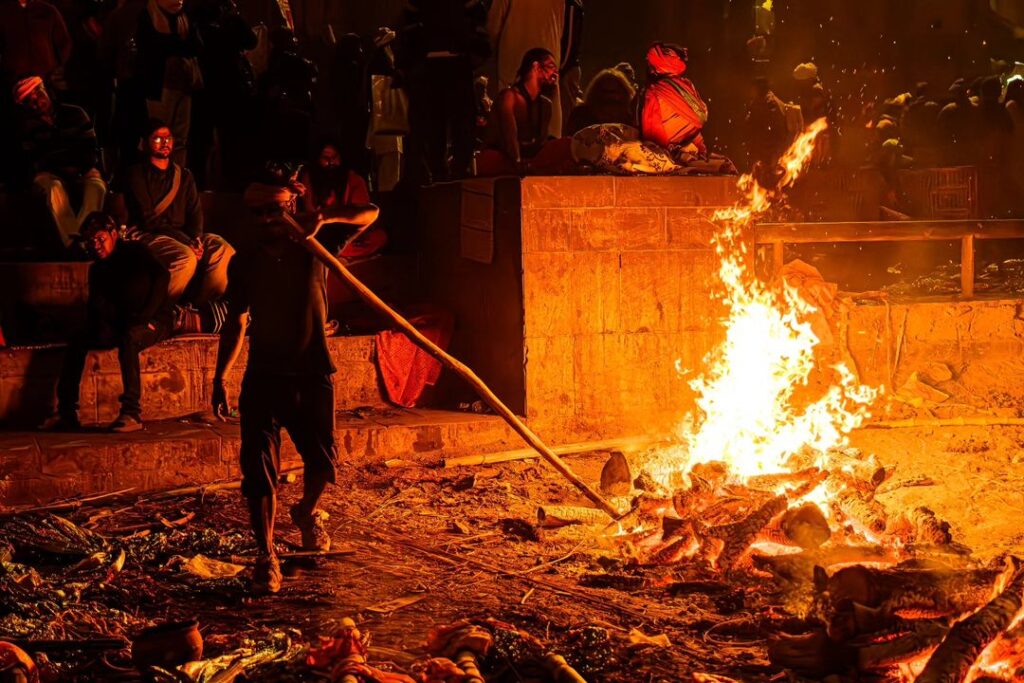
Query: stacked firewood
{"points": [[924, 624]]}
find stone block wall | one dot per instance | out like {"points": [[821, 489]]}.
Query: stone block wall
{"points": [[617, 282], [176, 379], [980, 343]]}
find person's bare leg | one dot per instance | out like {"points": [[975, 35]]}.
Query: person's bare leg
{"points": [[266, 577], [261, 515], [312, 491], [308, 518]]}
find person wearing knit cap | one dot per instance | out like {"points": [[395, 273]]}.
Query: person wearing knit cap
{"points": [[288, 380], [163, 204], [59, 145]]}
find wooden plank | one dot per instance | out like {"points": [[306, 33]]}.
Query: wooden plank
{"points": [[778, 257], [888, 231], [967, 266]]}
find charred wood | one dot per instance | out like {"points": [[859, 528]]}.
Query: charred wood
{"points": [[940, 592], [968, 638], [738, 537]]}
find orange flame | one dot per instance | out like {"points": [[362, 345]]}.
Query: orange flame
{"points": [[747, 416]]}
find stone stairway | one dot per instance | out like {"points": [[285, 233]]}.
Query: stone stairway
{"points": [[38, 467]]}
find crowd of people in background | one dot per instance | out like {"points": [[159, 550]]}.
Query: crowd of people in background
{"points": [[976, 123], [119, 114]]}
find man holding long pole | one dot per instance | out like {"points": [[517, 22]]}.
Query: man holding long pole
{"points": [[288, 379]]}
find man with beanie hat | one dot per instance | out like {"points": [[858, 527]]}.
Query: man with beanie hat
{"points": [[163, 204], [59, 147], [288, 376]]}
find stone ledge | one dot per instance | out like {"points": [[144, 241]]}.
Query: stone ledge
{"points": [[39, 467], [176, 379]]}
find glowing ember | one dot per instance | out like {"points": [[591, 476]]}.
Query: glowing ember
{"points": [[747, 416]]}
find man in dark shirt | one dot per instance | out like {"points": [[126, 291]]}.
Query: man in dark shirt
{"points": [[288, 379], [127, 310], [163, 203], [58, 146], [34, 39]]}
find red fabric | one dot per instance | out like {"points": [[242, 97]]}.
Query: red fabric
{"points": [[673, 111], [356, 193], [553, 158], [665, 61], [405, 368]]}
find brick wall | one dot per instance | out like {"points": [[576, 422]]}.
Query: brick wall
{"points": [[617, 278]]}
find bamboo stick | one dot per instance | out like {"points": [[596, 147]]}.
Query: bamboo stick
{"points": [[981, 421], [309, 241], [67, 506], [529, 453]]}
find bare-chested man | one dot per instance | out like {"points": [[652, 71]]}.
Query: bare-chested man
{"points": [[517, 138]]}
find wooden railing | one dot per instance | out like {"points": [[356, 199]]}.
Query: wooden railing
{"points": [[777, 235]]}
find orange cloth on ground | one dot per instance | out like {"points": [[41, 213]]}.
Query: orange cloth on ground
{"points": [[406, 369]]}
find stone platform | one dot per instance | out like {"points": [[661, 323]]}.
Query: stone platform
{"points": [[176, 380], [38, 467]]}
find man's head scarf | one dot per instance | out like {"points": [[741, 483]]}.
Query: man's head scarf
{"points": [[665, 60]]}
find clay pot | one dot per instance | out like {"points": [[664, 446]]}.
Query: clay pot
{"points": [[167, 645]]}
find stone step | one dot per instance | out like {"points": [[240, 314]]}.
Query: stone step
{"points": [[45, 302], [176, 379], [36, 467]]}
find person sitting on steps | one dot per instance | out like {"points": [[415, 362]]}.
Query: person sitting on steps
{"points": [[163, 204], [128, 310]]}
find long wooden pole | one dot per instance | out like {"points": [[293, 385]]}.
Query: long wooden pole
{"points": [[319, 251]]}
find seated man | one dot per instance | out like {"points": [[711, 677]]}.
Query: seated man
{"points": [[672, 113], [59, 146], [329, 183], [517, 139], [128, 309], [163, 203]]}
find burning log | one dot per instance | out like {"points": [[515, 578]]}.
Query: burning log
{"points": [[922, 526], [924, 636], [682, 544], [773, 482], [645, 482], [739, 536], [967, 639], [943, 592], [863, 509]]}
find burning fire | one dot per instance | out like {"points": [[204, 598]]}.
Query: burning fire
{"points": [[747, 414]]}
